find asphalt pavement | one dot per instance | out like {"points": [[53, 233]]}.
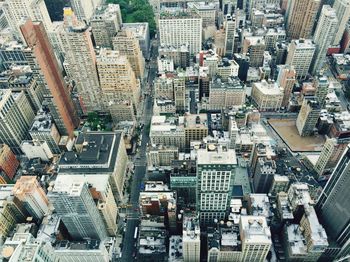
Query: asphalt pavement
{"points": [[133, 214]]}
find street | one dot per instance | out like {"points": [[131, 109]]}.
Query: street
{"points": [[140, 162]]}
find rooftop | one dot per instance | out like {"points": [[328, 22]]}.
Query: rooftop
{"points": [[268, 88], [140, 30], [96, 152], [216, 154], [254, 229], [296, 241], [42, 122], [191, 229]]}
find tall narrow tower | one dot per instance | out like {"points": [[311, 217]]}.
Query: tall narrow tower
{"points": [[342, 8], [301, 18], [80, 61], [324, 35], [49, 73], [333, 204]]}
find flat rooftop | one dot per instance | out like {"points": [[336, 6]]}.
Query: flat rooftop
{"points": [[99, 153], [216, 154]]}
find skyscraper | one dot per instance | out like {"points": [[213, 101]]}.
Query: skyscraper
{"points": [[322, 84], [191, 239], [74, 204], [342, 9], [230, 29], [300, 55], [28, 190], [286, 80], [127, 44], [17, 10], [255, 237], [119, 86], [105, 23], [80, 61], [16, 116], [308, 116], [84, 8], [324, 35], [45, 67], [331, 152], [333, 205], [177, 29], [301, 17], [215, 176]]}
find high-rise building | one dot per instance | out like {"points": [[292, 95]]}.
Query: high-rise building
{"points": [[73, 202], [101, 192], [286, 80], [263, 175], [45, 67], [101, 153], [267, 95], [191, 239], [141, 32], [255, 46], [180, 94], [230, 30], [301, 18], [255, 237], [300, 55], [80, 61], [119, 86], [322, 84], [224, 95], [331, 152], [16, 116], [196, 127], [105, 24], [44, 129], [128, 45], [28, 190], [84, 9], [333, 205], [8, 163], [11, 210], [324, 35], [17, 10], [215, 175], [177, 29], [307, 118], [342, 9]]}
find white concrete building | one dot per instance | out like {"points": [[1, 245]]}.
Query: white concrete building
{"points": [[342, 9], [325, 32], [267, 95], [300, 55], [255, 237], [191, 238], [176, 30], [215, 176]]}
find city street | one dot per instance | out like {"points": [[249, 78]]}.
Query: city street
{"points": [[140, 162]]}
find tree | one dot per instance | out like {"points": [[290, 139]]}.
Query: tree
{"points": [[137, 11]]}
